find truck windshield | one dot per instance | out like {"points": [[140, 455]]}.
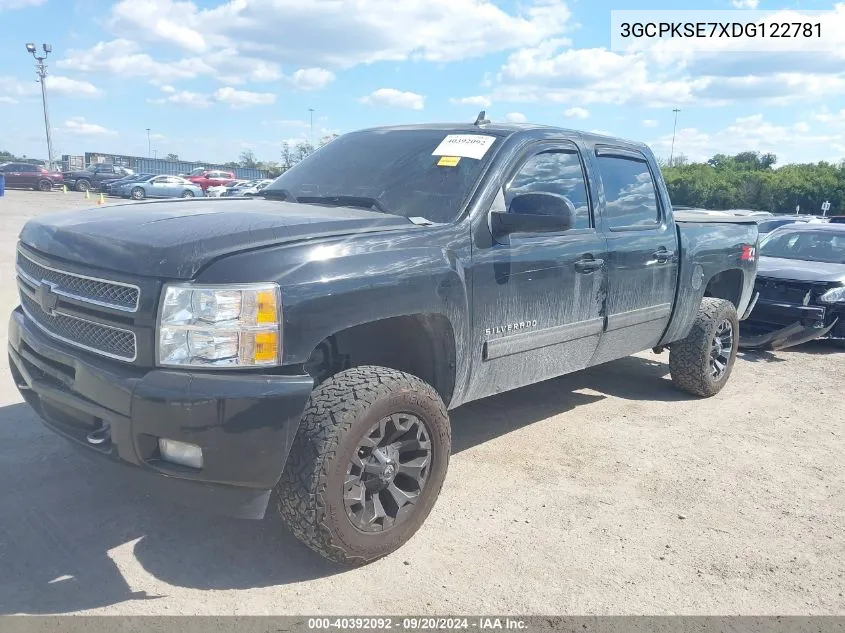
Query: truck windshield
{"points": [[393, 171], [809, 246]]}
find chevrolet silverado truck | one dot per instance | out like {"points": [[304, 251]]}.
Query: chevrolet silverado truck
{"points": [[301, 350]]}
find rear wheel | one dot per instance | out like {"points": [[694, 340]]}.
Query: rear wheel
{"points": [[44, 185], [187, 194], [701, 363], [137, 193], [83, 185], [367, 464]]}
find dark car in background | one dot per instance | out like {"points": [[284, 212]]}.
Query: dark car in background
{"points": [[94, 175], [111, 187], [770, 224], [801, 286], [29, 176]]}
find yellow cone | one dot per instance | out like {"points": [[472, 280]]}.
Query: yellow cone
{"points": [[102, 199], [64, 188], [87, 195]]}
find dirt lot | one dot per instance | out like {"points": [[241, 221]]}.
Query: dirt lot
{"points": [[605, 492]]}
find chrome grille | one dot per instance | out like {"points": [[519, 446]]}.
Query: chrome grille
{"points": [[109, 294], [95, 337]]}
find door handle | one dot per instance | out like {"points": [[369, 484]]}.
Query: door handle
{"points": [[588, 265], [662, 255]]}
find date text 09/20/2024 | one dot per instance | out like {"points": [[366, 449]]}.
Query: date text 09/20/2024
{"points": [[417, 623]]}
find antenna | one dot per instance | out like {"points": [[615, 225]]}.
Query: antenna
{"points": [[481, 120]]}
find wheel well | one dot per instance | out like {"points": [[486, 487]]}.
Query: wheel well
{"points": [[726, 285], [421, 344]]}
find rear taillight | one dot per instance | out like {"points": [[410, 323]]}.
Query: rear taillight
{"points": [[749, 253]]}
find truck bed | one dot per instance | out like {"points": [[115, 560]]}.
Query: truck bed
{"points": [[701, 218]]}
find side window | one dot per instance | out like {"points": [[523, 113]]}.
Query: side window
{"points": [[554, 172], [629, 191], [31, 169]]}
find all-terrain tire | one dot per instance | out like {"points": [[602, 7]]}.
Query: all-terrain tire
{"points": [[83, 185], [690, 358], [340, 411]]}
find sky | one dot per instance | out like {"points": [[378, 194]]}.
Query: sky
{"points": [[212, 78]]}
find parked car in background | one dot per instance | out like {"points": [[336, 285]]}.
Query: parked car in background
{"points": [[256, 188], [109, 187], [94, 175], [767, 225], [212, 178], [160, 187], [836, 219], [29, 176], [801, 286], [220, 190]]}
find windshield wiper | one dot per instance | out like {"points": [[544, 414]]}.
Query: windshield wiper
{"points": [[345, 201]]}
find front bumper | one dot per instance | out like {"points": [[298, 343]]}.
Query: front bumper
{"points": [[245, 423], [776, 325]]}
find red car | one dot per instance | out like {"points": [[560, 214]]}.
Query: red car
{"points": [[211, 178], [28, 176]]}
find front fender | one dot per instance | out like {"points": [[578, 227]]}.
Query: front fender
{"points": [[334, 284]]}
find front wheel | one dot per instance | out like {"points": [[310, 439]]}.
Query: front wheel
{"points": [[187, 194], [367, 464], [701, 363], [137, 193], [83, 185], [44, 185]]}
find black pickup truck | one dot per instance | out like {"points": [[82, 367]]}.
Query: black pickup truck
{"points": [[302, 349], [94, 175]]}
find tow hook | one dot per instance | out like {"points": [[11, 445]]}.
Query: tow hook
{"points": [[100, 436]]}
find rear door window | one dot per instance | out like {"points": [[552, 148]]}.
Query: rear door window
{"points": [[630, 194]]}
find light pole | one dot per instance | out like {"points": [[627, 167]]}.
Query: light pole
{"points": [[148, 143], [311, 113], [675, 127], [41, 70]]}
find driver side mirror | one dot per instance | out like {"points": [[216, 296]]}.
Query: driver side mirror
{"points": [[539, 212]]}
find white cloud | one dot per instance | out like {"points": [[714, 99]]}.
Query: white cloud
{"points": [[479, 101], [650, 123], [8, 5], [72, 87], [576, 113], [243, 98], [79, 126], [184, 98], [515, 117], [343, 33], [162, 21], [5, 99], [395, 99], [234, 98], [123, 57], [312, 78], [745, 4]]}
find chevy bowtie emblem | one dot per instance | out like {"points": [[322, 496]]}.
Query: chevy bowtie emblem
{"points": [[46, 296]]}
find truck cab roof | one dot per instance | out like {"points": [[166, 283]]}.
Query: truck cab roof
{"points": [[505, 130]]}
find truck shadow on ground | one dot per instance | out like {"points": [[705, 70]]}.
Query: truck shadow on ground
{"points": [[816, 348], [71, 541]]}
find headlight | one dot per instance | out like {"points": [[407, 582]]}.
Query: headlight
{"points": [[834, 295], [220, 326]]}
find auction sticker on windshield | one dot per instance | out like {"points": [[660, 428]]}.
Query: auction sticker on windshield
{"points": [[464, 145]]}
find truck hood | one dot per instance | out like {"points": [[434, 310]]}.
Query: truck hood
{"points": [[799, 270], [175, 238]]}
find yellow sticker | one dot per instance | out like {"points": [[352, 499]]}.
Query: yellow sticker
{"points": [[448, 161]]}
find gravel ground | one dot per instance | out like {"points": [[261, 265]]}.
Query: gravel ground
{"points": [[604, 492]]}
